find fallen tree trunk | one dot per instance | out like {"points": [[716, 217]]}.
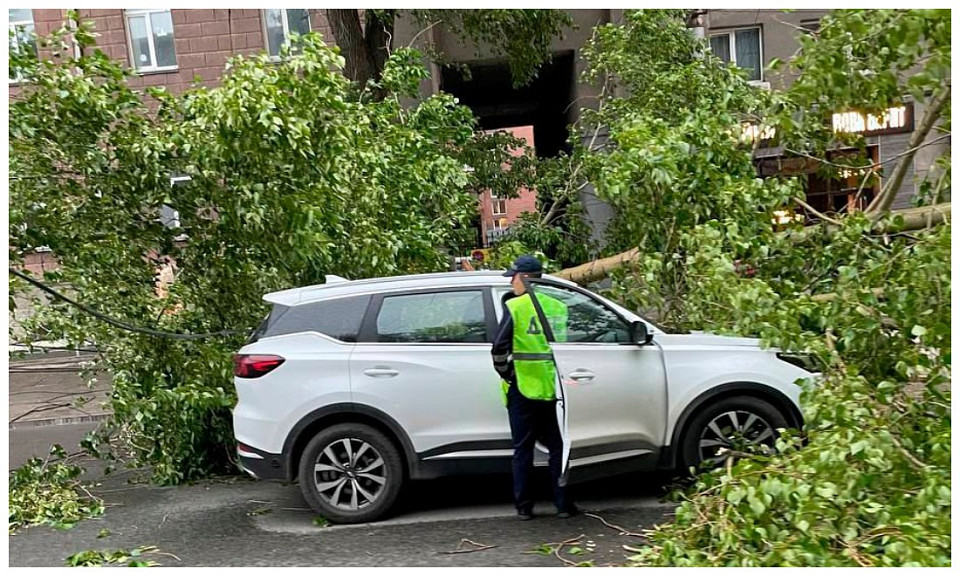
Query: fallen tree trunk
{"points": [[913, 219]]}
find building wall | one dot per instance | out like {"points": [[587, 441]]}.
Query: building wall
{"points": [[206, 38], [203, 38], [526, 201], [465, 51], [778, 33]]}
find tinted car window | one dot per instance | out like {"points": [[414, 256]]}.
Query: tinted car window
{"points": [[587, 319], [339, 318], [267, 323], [435, 317]]}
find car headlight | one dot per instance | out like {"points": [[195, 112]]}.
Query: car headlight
{"points": [[807, 362]]}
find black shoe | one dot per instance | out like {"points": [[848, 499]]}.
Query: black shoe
{"points": [[525, 514], [568, 512]]}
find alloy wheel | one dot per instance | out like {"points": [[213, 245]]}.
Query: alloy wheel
{"points": [[350, 474], [736, 430]]}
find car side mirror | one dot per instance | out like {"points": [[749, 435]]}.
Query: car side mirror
{"points": [[639, 334]]}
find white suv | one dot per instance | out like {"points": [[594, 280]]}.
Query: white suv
{"points": [[355, 387]]}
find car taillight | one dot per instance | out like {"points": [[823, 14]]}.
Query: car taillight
{"points": [[254, 365]]}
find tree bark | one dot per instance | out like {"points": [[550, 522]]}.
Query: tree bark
{"points": [[592, 271], [913, 219], [379, 36], [886, 197], [353, 46]]}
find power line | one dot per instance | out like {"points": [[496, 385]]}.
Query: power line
{"points": [[119, 323]]}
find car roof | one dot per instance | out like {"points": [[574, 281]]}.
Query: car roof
{"points": [[336, 286]]}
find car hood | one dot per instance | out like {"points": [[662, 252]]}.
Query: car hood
{"points": [[706, 339]]}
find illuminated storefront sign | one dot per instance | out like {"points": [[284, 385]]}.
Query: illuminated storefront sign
{"points": [[892, 121]]}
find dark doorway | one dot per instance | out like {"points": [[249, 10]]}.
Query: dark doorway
{"points": [[544, 103]]}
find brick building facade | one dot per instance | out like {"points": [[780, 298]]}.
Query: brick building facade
{"points": [[201, 43], [497, 214]]}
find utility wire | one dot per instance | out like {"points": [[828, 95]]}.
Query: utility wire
{"points": [[118, 323]]}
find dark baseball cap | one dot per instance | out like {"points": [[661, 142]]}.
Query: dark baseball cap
{"points": [[526, 264]]}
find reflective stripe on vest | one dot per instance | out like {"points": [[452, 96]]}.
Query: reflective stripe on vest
{"points": [[532, 355], [528, 356]]}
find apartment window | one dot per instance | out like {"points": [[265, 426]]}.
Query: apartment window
{"points": [[151, 40], [500, 224], [499, 205], [278, 24], [742, 48], [22, 39]]}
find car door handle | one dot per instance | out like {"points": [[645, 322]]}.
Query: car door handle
{"points": [[381, 372], [582, 375]]}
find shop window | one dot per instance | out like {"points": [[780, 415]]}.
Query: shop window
{"points": [[828, 189], [842, 191]]}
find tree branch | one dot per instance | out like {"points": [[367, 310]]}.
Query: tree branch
{"points": [[417, 35], [884, 200], [816, 212], [913, 219]]}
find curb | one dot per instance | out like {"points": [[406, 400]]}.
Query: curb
{"points": [[58, 421]]}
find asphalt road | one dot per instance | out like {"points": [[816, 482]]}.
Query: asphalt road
{"points": [[34, 441], [241, 522]]}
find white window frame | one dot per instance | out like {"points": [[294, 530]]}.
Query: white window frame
{"points": [[500, 224], [11, 27], [147, 13], [494, 201], [286, 28], [175, 221], [731, 35]]}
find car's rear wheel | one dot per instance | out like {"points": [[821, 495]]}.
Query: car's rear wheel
{"points": [[351, 473], [739, 424]]}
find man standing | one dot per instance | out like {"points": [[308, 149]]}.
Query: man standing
{"points": [[523, 358]]}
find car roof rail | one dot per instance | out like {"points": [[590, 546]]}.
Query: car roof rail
{"points": [[334, 279]]}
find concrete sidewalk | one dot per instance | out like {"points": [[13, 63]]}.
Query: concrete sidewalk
{"points": [[48, 390]]}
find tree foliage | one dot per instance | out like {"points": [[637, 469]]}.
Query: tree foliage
{"points": [[872, 304], [49, 491], [291, 176], [868, 61], [522, 37]]}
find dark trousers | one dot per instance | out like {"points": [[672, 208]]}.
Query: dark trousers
{"points": [[532, 421]]}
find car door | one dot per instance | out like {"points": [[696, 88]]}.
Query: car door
{"points": [[613, 390], [424, 360]]}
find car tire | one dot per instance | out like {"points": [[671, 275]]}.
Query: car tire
{"points": [[754, 418], [351, 473]]}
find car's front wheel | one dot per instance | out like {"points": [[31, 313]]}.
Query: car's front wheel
{"points": [[351, 473], [739, 424]]}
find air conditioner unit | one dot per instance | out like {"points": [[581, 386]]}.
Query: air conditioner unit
{"points": [[759, 84]]}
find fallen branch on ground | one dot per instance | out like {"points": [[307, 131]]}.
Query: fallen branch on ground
{"points": [[477, 547], [568, 542], [623, 531]]}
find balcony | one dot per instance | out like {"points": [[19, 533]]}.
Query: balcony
{"points": [[494, 234]]}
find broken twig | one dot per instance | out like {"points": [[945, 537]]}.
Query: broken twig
{"points": [[570, 542], [623, 531], [477, 547]]}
